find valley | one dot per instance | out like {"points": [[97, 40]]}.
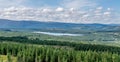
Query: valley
{"points": [[79, 43], [59, 30]]}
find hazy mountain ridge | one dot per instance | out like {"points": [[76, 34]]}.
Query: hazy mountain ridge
{"points": [[4, 23]]}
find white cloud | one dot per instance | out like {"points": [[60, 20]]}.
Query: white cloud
{"points": [[45, 10], [100, 8], [98, 14], [107, 13], [59, 9], [59, 15], [72, 9], [85, 16]]}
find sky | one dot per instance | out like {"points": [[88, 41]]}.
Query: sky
{"points": [[69, 11]]}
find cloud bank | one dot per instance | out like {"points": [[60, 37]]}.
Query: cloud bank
{"points": [[96, 15], [69, 11]]}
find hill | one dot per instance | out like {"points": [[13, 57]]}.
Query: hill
{"points": [[9, 24]]}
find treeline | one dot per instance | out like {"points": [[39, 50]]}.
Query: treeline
{"points": [[30, 53], [76, 46]]}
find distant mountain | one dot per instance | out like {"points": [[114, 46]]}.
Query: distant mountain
{"points": [[9, 24]]}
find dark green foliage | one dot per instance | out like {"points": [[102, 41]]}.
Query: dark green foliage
{"points": [[29, 53], [76, 46], [81, 52]]}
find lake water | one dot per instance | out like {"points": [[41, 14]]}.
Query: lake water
{"points": [[58, 34]]}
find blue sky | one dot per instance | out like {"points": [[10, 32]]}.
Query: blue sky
{"points": [[105, 3], [38, 3], [115, 4], [95, 9], [57, 3]]}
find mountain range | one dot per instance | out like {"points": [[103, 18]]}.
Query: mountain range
{"points": [[9, 24]]}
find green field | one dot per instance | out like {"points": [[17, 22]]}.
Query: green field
{"points": [[4, 58], [104, 38]]}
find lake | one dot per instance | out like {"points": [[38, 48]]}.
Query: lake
{"points": [[58, 34]]}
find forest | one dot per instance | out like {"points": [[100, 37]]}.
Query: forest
{"points": [[36, 50], [25, 53]]}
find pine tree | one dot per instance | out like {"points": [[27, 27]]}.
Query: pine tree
{"points": [[9, 59]]}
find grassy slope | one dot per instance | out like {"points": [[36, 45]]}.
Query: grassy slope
{"points": [[3, 58]]}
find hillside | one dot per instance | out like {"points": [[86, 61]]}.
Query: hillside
{"points": [[9, 24]]}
